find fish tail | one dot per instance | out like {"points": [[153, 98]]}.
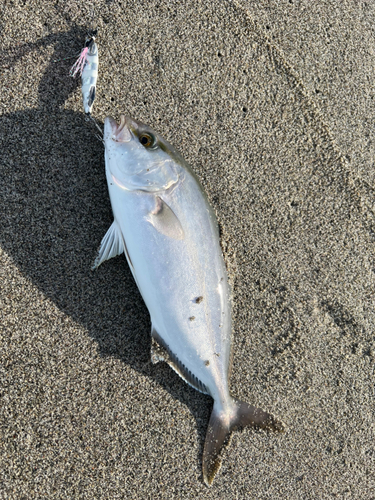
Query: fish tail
{"points": [[223, 423]]}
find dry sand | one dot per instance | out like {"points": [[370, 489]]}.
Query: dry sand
{"points": [[272, 103]]}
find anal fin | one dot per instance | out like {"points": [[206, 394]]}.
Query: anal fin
{"points": [[161, 352]]}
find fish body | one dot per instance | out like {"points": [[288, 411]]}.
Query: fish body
{"points": [[169, 234]]}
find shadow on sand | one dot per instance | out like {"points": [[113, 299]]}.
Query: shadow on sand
{"points": [[55, 211]]}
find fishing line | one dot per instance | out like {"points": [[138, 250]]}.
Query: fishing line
{"points": [[89, 117]]}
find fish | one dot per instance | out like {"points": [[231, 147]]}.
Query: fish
{"points": [[168, 231]]}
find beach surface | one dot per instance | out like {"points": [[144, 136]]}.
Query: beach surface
{"points": [[273, 105]]}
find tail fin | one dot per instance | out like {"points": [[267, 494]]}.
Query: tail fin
{"points": [[221, 425]]}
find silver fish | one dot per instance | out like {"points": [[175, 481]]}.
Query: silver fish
{"points": [[169, 234]]}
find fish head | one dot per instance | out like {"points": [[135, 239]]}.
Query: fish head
{"points": [[137, 158]]}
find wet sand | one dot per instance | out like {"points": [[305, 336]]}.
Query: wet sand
{"points": [[272, 103]]}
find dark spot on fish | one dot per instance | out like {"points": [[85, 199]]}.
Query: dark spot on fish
{"points": [[198, 300], [192, 318], [207, 363]]}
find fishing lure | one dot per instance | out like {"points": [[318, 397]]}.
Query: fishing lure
{"points": [[87, 66]]}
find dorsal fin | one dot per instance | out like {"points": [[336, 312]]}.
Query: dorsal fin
{"points": [[161, 352]]}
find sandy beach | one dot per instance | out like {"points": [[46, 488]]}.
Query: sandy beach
{"points": [[273, 105]]}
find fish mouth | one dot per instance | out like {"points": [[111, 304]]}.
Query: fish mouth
{"points": [[117, 132]]}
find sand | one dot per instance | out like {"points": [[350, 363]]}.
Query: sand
{"points": [[272, 103]]}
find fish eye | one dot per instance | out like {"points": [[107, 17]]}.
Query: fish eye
{"points": [[147, 140]]}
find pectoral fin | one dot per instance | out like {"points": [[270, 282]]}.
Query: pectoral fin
{"points": [[112, 245], [165, 221]]}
